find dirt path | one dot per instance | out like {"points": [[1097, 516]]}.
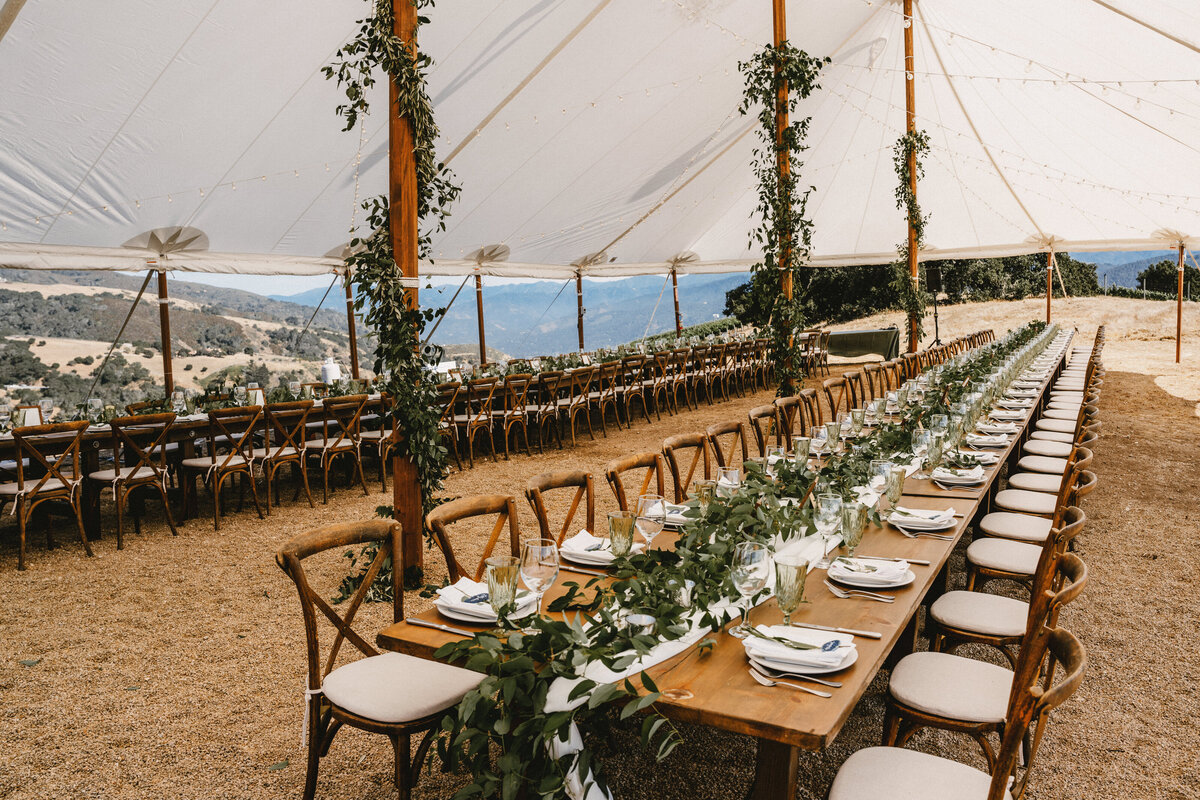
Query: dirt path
{"points": [[174, 668]]}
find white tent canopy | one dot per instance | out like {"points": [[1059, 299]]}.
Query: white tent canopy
{"points": [[600, 127]]}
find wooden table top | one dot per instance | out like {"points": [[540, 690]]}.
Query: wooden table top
{"points": [[715, 688]]}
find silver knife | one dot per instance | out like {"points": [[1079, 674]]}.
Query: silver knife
{"points": [[918, 561], [851, 631], [565, 568], [439, 626]]}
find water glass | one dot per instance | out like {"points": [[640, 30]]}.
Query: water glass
{"points": [[828, 519], [620, 532], [47, 406], [879, 475], [502, 573], [801, 447], [895, 485], [858, 418], [239, 395], [854, 521], [95, 410], [178, 401], [729, 479], [920, 442], [791, 570], [933, 455], [833, 430], [819, 440], [651, 516], [845, 422], [939, 422], [5, 416], [750, 570], [539, 565]]}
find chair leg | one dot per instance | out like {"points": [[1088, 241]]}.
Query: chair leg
{"points": [[21, 521], [162, 490], [401, 747], [122, 499], [326, 463], [891, 726], [217, 480], [254, 493], [361, 478], [314, 751]]}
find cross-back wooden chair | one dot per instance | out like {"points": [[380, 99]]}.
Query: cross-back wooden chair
{"points": [[232, 429], [907, 710], [139, 461], [657, 383], [382, 438], [727, 440], [575, 400], [876, 772], [763, 425], [503, 506], [543, 406], [630, 386], [512, 409], [791, 418], [652, 463], [389, 693], [448, 393], [340, 436], [576, 479], [838, 396], [960, 617], [692, 448], [812, 403], [873, 379], [476, 414], [284, 439], [47, 465], [697, 369], [856, 388], [604, 394], [679, 378], [823, 351]]}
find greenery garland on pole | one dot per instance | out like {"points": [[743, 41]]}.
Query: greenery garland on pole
{"points": [[381, 293], [910, 148], [785, 234]]}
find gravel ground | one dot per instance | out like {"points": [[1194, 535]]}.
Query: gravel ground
{"points": [[174, 668]]}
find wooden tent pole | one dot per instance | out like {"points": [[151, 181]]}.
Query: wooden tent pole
{"points": [[783, 163], [402, 225], [353, 332], [675, 291], [910, 125], [479, 313], [164, 323], [1049, 282], [1179, 308], [579, 304]]}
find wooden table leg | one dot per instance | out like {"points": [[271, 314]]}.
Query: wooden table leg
{"points": [[907, 643], [90, 499], [775, 773]]}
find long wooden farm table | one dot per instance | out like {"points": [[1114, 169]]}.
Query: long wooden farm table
{"points": [[715, 688]]}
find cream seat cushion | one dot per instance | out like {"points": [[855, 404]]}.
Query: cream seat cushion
{"points": [[10, 489], [1062, 413], [1047, 464], [895, 773], [1026, 502], [1009, 525], [393, 687], [1035, 482], [376, 434], [979, 612], [952, 686], [1005, 555], [127, 473], [275, 452], [205, 462], [1037, 447], [1057, 425], [1053, 436]]}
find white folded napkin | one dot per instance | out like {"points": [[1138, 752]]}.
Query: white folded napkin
{"points": [[997, 427], [454, 598], [921, 518], [984, 440], [776, 651], [676, 514], [953, 475], [576, 549], [881, 573], [981, 457], [1015, 403], [1007, 414]]}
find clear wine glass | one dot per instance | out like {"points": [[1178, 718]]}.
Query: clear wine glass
{"points": [[539, 566], [651, 517], [95, 410], [47, 406], [828, 520], [239, 395], [750, 569]]}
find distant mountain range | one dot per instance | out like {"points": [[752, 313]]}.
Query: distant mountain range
{"points": [[1122, 268], [539, 318]]}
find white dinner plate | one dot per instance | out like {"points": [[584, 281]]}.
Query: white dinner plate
{"points": [[787, 667], [490, 619], [858, 583]]}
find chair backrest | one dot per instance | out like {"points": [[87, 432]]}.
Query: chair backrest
{"points": [[290, 558], [873, 376], [692, 447], [141, 442], [343, 416], [576, 479], [481, 393], [581, 381], [837, 395], [447, 398], [856, 389], [630, 374], [545, 390], [791, 417], [763, 424], [236, 427], [53, 448], [651, 462], [1030, 702], [516, 392], [734, 434], [286, 425], [441, 518]]}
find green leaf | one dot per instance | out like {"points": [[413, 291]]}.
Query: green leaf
{"points": [[278, 765], [30, 662]]}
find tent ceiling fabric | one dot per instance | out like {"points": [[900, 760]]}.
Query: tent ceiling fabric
{"points": [[605, 126]]}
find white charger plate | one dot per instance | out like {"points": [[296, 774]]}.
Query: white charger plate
{"points": [[789, 668], [490, 619], [857, 583]]}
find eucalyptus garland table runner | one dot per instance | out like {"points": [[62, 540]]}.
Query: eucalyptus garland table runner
{"points": [[545, 682]]}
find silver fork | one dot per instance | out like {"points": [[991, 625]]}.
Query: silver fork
{"points": [[846, 594], [773, 673], [919, 534], [765, 681]]}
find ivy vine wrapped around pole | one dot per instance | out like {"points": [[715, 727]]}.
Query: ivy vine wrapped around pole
{"points": [[385, 298], [906, 157], [777, 79]]}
